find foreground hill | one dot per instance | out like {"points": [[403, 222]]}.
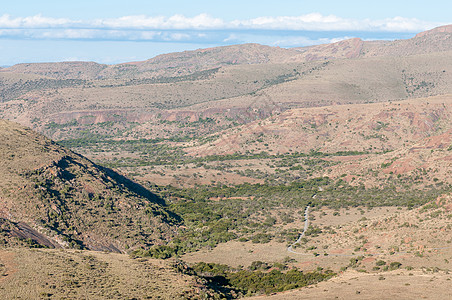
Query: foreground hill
{"points": [[56, 198]]}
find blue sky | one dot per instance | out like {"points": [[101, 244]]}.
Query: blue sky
{"points": [[117, 31]]}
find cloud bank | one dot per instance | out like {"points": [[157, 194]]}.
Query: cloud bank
{"points": [[281, 30]]}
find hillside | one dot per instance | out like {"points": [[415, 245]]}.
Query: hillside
{"points": [[169, 96], [47, 274], [189, 62], [395, 134], [56, 198]]}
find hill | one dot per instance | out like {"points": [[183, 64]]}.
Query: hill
{"points": [[167, 96], [394, 135], [53, 197], [189, 62]]}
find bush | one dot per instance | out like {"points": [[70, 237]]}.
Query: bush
{"points": [[380, 263], [394, 265]]}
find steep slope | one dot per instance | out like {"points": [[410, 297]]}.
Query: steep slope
{"points": [[432, 41], [60, 199]]}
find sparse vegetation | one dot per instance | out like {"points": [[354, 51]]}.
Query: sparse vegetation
{"points": [[226, 150]]}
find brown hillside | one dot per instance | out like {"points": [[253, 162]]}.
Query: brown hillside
{"points": [[240, 93], [436, 40], [381, 126], [60, 199], [417, 135], [441, 29], [48, 273]]}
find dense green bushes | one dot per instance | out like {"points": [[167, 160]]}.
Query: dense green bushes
{"points": [[256, 281], [246, 212]]}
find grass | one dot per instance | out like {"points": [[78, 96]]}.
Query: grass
{"points": [[82, 274]]}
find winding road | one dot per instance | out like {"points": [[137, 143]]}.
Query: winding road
{"points": [[306, 225]]}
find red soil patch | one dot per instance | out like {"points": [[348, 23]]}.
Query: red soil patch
{"points": [[400, 167], [369, 259]]}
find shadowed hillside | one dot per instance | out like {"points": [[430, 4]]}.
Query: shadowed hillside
{"points": [[60, 199]]}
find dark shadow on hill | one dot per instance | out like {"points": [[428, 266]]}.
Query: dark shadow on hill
{"points": [[118, 178], [218, 284], [133, 186], [139, 189]]}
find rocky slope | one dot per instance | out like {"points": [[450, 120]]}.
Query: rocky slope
{"points": [[56, 198]]}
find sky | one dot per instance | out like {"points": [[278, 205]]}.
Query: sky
{"points": [[130, 30]]}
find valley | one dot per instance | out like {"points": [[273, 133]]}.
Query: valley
{"points": [[231, 172]]}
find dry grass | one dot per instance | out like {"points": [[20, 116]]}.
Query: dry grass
{"points": [[58, 274], [390, 285]]}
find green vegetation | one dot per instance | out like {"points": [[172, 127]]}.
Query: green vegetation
{"points": [[217, 214], [251, 282]]}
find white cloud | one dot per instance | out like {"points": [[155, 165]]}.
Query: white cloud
{"points": [[231, 38], [202, 21], [38, 21], [203, 27], [402, 25], [318, 22], [313, 21]]}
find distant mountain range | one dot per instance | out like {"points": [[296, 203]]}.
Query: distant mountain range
{"points": [[187, 62]]}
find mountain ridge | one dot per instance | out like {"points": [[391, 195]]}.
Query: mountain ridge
{"points": [[188, 62]]}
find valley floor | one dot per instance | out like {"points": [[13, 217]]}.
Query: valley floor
{"points": [[391, 285]]}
